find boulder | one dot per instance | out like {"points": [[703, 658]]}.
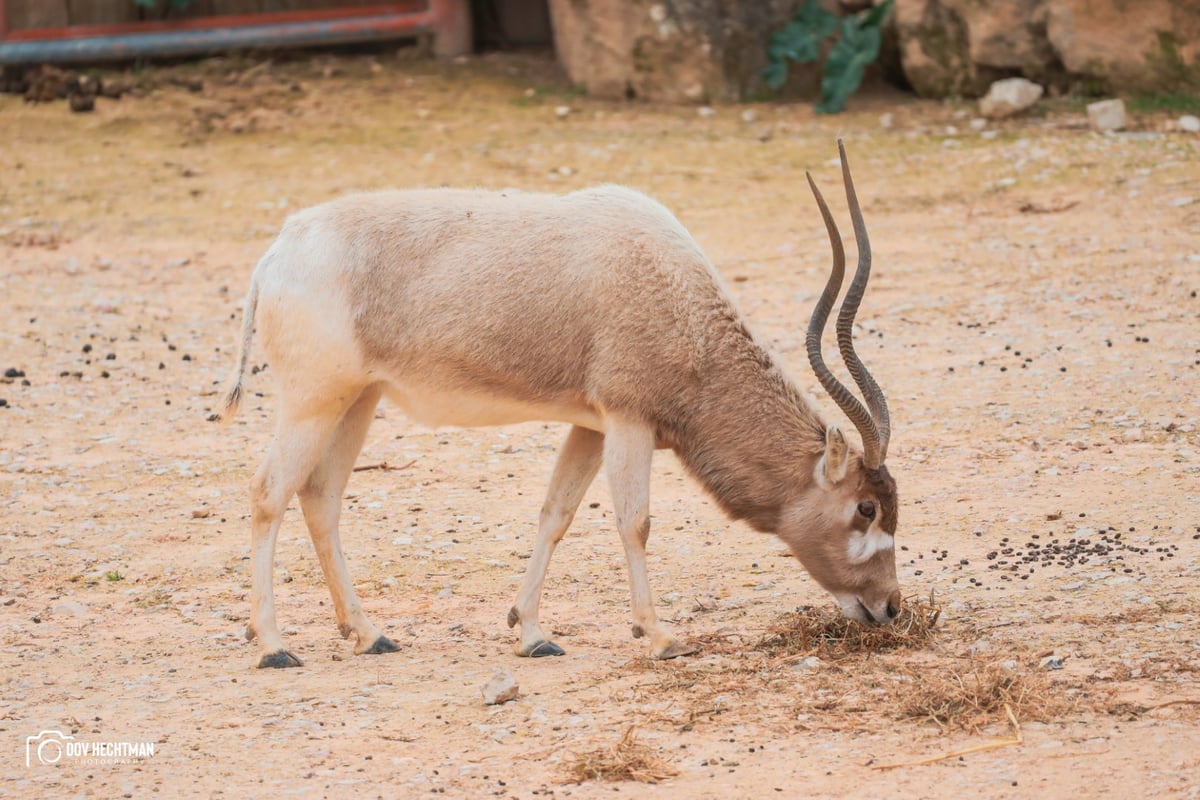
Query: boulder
{"points": [[687, 51], [1010, 96], [706, 51], [961, 47]]}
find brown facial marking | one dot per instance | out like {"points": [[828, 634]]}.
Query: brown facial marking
{"points": [[883, 486]]}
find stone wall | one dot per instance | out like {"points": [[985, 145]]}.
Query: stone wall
{"points": [[961, 46], [715, 50]]}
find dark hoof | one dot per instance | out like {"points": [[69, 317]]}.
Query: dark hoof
{"points": [[382, 645], [280, 659], [541, 649], [675, 650]]}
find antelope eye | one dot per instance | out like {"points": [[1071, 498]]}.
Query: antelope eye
{"points": [[867, 509]]}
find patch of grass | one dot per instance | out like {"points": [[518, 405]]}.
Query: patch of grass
{"points": [[1150, 103], [818, 631], [113, 575], [625, 760]]}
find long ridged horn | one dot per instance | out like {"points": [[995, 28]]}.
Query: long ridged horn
{"points": [[876, 402], [846, 401]]}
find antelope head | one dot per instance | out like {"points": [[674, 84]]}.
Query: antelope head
{"points": [[842, 527]]}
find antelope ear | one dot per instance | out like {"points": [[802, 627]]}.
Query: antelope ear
{"points": [[832, 466]]}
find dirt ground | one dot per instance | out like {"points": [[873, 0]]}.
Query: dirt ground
{"points": [[1033, 317]]}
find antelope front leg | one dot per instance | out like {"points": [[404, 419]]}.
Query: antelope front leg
{"points": [[628, 450], [578, 462]]}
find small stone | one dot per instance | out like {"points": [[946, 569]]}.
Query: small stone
{"points": [[1189, 123], [500, 689], [749, 115], [887, 121], [1052, 662], [77, 610], [807, 665], [706, 111], [1010, 96], [562, 112], [1106, 115], [1131, 435]]}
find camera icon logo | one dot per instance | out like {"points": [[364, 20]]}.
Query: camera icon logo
{"points": [[47, 747]]}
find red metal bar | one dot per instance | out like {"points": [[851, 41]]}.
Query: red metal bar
{"points": [[205, 23], [448, 20]]}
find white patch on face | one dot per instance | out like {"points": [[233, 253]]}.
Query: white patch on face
{"points": [[865, 545], [851, 608]]}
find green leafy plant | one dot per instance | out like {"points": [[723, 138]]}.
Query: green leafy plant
{"points": [[113, 576], [856, 48], [178, 5]]}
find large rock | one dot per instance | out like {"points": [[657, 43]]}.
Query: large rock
{"points": [[962, 46], [681, 51], [715, 50]]}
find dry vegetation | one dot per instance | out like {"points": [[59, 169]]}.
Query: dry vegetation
{"points": [[819, 631], [627, 759]]}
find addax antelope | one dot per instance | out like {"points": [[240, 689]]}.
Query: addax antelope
{"points": [[594, 308]]}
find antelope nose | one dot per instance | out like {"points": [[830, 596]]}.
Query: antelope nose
{"points": [[893, 605]]}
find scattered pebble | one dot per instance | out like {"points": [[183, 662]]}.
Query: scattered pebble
{"points": [[1189, 123], [1107, 115], [808, 664], [500, 689], [1010, 96], [1131, 435]]}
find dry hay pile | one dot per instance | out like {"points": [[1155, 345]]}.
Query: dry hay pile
{"points": [[979, 695], [624, 760], [812, 631], [965, 694], [849, 686]]}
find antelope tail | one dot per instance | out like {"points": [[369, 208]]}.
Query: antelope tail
{"points": [[233, 396]]}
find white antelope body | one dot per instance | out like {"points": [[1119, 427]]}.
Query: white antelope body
{"points": [[594, 308]]}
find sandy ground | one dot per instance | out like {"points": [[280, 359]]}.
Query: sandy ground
{"points": [[1033, 317]]}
